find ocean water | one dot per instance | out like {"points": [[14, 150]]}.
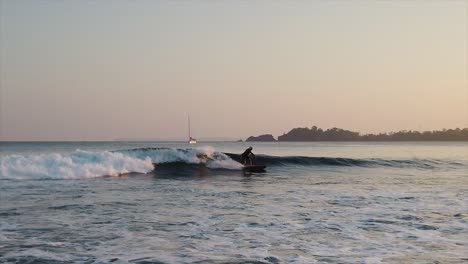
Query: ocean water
{"points": [[156, 202]]}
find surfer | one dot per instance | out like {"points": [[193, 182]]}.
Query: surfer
{"points": [[247, 156]]}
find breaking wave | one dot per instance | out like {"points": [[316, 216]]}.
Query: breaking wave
{"points": [[85, 164]]}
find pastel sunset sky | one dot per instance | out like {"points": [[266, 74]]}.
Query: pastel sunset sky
{"points": [[101, 70]]}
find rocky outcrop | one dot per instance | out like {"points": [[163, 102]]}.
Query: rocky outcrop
{"points": [[262, 138]]}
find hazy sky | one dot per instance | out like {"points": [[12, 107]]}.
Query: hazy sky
{"points": [[100, 70]]}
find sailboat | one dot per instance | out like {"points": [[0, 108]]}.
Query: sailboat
{"points": [[191, 139]]}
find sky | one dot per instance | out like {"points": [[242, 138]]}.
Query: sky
{"points": [[105, 70]]}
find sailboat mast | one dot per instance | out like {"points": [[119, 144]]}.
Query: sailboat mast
{"points": [[190, 139]]}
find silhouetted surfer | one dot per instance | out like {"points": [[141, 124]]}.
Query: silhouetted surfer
{"points": [[246, 156]]}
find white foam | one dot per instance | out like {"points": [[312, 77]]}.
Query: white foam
{"points": [[225, 164], [79, 164]]}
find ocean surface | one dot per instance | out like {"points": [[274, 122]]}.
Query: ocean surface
{"points": [[162, 202]]}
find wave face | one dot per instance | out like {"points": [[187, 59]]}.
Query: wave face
{"points": [[206, 155], [330, 161]]}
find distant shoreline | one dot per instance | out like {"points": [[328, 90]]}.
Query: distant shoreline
{"points": [[315, 134]]}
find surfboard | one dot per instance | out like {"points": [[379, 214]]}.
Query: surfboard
{"points": [[254, 168]]}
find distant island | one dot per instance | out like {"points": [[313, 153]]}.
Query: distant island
{"points": [[337, 134], [262, 138]]}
